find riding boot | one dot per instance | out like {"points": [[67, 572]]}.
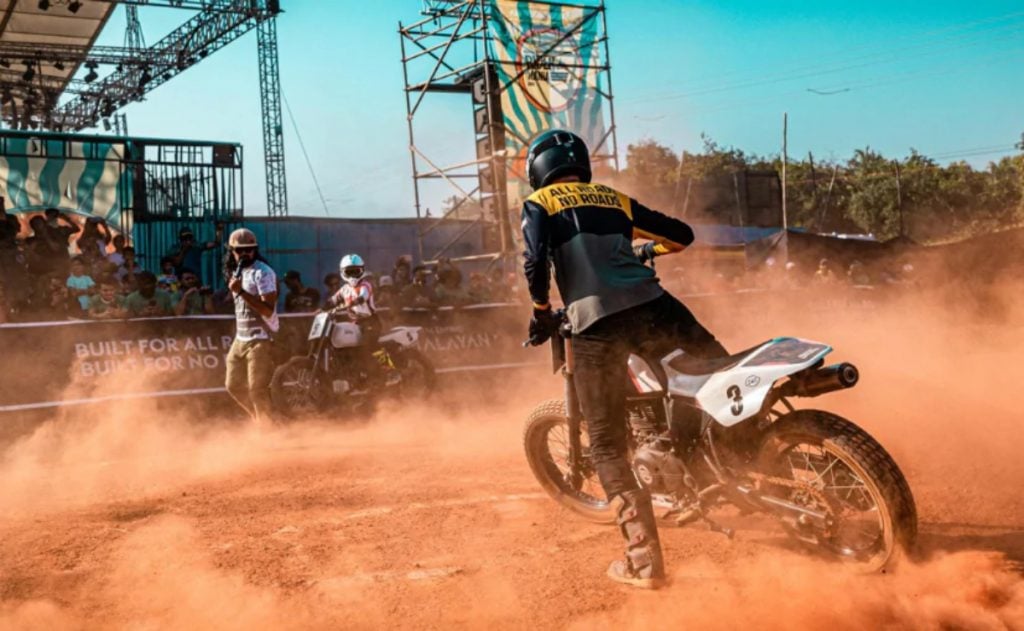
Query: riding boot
{"points": [[642, 566]]}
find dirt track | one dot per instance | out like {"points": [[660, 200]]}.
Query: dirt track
{"points": [[429, 519]]}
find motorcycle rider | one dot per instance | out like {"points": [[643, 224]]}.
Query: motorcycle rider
{"points": [[615, 305], [356, 295]]}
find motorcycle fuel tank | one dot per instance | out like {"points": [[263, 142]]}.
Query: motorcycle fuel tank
{"points": [[346, 335]]}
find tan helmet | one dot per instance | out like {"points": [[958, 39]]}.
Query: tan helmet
{"points": [[242, 238]]}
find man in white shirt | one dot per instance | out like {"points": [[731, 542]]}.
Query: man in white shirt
{"points": [[250, 362]]}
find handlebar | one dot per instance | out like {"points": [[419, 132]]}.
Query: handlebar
{"points": [[564, 330]]}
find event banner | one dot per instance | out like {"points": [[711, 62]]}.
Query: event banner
{"points": [[58, 363], [549, 57], [82, 177]]}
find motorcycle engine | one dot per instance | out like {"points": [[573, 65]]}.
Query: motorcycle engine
{"points": [[659, 470]]}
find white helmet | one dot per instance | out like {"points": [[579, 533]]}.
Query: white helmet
{"points": [[352, 269]]}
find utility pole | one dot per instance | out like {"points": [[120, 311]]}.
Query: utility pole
{"points": [[785, 133], [784, 242], [899, 195]]}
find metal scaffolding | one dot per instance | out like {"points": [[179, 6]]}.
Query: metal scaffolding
{"points": [[273, 136], [450, 51], [35, 74]]}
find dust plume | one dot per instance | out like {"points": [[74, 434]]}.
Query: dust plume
{"points": [[144, 515], [966, 590]]}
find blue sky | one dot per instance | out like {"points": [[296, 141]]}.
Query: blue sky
{"points": [[943, 77]]}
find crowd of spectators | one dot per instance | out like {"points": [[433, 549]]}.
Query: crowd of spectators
{"points": [[62, 270], [409, 286]]}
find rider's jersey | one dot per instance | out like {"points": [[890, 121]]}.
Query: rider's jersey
{"points": [[358, 298], [587, 231]]}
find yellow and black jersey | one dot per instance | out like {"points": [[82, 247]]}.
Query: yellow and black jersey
{"points": [[587, 232]]}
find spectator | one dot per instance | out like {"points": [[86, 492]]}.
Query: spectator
{"points": [[80, 284], [148, 301], [479, 292], [824, 274], [187, 254], [333, 284], [402, 272], [128, 269], [195, 299], [9, 229], [418, 294], [60, 227], [223, 301], [12, 258], [5, 307], [300, 299], [449, 290], [791, 275], [58, 303], [117, 256], [168, 278], [94, 239], [107, 304], [857, 275], [385, 297], [42, 255]]}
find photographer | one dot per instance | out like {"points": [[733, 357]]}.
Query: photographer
{"points": [[194, 299], [250, 361]]}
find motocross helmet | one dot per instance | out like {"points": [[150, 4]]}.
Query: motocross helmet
{"points": [[555, 154], [352, 269]]}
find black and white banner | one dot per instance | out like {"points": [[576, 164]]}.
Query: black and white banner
{"points": [[64, 363]]}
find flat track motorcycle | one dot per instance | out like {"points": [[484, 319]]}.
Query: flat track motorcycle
{"points": [[328, 378], [704, 433]]}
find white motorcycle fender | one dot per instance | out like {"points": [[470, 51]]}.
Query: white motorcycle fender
{"points": [[404, 336], [735, 395]]}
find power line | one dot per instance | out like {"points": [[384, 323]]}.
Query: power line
{"points": [[841, 56], [882, 57], [1015, 33], [302, 146]]}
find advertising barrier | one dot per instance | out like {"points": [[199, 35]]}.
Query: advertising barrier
{"points": [[49, 364], [52, 364]]}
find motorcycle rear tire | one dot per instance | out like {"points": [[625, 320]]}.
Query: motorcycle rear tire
{"points": [[546, 417], [859, 451], [427, 378]]}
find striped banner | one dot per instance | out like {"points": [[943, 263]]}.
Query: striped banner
{"points": [[562, 91], [78, 177]]}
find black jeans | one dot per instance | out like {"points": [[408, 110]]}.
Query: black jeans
{"points": [[601, 352]]}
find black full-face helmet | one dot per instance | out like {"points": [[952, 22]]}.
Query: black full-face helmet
{"points": [[556, 154]]}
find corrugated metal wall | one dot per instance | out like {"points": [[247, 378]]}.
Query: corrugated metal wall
{"points": [[313, 246]]}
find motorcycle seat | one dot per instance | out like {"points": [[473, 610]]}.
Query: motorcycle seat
{"points": [[699, 366]]}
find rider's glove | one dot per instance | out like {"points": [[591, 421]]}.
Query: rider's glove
{"points": [[543, 325], [644, 251]]}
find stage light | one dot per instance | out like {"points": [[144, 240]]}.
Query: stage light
{"points": [[74, 6], [145, 77], [59, 65], [106, 124], [91, 75], [30, 71], [44, 5]]}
